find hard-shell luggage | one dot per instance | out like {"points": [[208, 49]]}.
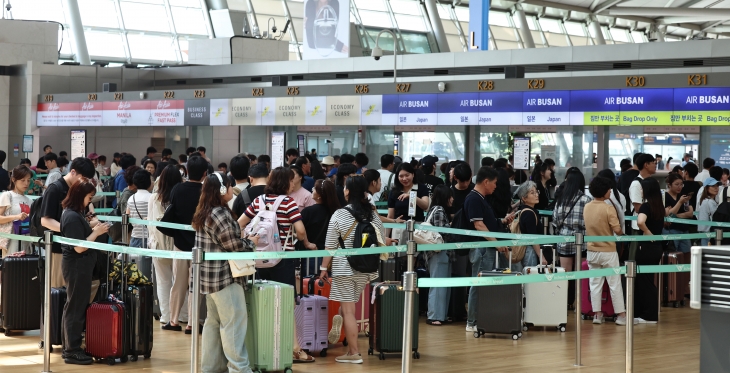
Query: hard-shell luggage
{"points": [[270, 334], [323, 288], [585, 296], [21, 304], [545, 301], [390, 270], [106, 337], [674, 284], [311, 316], [58, 301], [386, 320], [140, 305], [499, 308], [457, 302]]}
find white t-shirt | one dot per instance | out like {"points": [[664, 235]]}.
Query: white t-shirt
{"points": [[636, 193], [14, 200], [620, 204], [384, 177], [702, 176], [241, 187], [139, 201]]}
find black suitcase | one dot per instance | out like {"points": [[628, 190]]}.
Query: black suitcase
{"points": [[390, 270], [140, 305], [20, 303], [422, 292], [459, 294], [499, 308], [58, 302]]}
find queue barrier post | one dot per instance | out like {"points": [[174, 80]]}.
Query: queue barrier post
{"points": [[409, 287], [718, 236], [578, 319], [630, 283], [125, 229], [48, 243], [198, 257], [545, 225]]}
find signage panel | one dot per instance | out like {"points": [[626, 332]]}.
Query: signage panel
{"points": [[127, 113], [219, 109], [371, 110], [501, 108], [172, 112], [197, 112], [90, 114], [413, 109], [459, 108], [315, 111], [546, 108], [701, 106], [647, 106], [266, 111], [343, 110], [243, 112]]}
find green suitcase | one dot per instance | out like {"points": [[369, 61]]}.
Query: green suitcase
{"points": [[270, 335], [386, 320]]}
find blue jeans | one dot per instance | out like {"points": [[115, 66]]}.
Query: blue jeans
{"points": [[439, 266], [482, 260], [704, 241], [224, 332], [530, 259], [137, 242], [683, 246]]}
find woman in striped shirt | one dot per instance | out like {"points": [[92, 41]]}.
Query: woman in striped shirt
{"points": [[348, 284]]}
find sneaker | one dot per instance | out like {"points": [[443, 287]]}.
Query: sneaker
{"points": [[347, 358], [598, 319], [639, 320], [621, 320], [471, 329], [334, 334], [78, 358]]}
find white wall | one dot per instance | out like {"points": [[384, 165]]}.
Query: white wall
{"points": [[245, 50], [23, 41]]}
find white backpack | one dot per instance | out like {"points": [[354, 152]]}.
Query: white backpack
{"points": [[265, 224]]}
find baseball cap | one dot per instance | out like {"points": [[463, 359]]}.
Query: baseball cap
{"points": [[93, 156], [711, 181], [429, 160], [328, 161]]}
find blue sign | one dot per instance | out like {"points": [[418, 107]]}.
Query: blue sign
{"points": [[702, 99], [659, 99], [594, 101], [461, 103], [546, 101], [478, 25], [501, 102]]}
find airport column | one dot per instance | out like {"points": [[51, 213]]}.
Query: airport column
{"points": [[438, 28], [597, 32], [77, 32], [524, 29]]}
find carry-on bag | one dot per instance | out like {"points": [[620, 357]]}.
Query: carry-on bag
{"points": [[58, 301], [499, 308], [674, 284], [386, 320], [270, 334], [323, 288], [140, 301], [586, 307], [21, 305], [545, 301], [311, 316]]}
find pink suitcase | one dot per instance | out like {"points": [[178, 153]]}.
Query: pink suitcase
{"points": [[585, 296]]}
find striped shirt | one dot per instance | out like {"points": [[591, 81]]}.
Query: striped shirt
{"points": [[340, 223], [138, 203], [287, 214]]}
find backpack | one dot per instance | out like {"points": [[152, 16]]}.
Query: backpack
{"points": [[722, 214], [237, 191], [518, 252], [462, 222], [36, 228], [109, 187], [386, 190], [365, 236], [266, 225]]}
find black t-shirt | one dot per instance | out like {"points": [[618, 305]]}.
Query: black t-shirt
{"points": [[401, 207], [655, 225], [4, 179], [316, 219], [239, 206], [543, 195], [75, 226], [51, 206], [431, 181], [501, 198], [691, 186], [459, 197], [184, 199], [529, 222], [476, 208], [669, 201], [625, 180], [41, 163]]}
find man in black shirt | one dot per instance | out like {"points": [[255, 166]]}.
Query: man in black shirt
{"points": [[166, 155], [462, 174], [691, 187], [151, 151], [40, 168], [257, 175], [501, 199], [428, 166], [184, 199], [51, 209]]}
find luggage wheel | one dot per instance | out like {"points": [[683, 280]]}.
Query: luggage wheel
{"points": [[288, 370], [477, 334], [110, 361], [519, 335], [133, 358], [323, 353], [525, 327], [561, 327], [147, 356], [381, 356], [370, 351], [416, 355], [676, 305], [515, 337], [123, 359]]}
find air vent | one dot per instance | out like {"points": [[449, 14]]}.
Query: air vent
{"points": [[441, 72], [341, 76], [182, 82], [297, 77], [217, 81], [622, 65], [256, 79], [556, 67], [387, 74], [694, 63], [496, 69]]}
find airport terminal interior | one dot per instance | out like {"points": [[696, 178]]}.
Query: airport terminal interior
{"points": [[590, 85]]}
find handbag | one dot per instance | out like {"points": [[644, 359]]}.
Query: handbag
{"points": [[425, 237], [239, 267]]}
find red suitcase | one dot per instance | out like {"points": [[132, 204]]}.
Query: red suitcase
{"points": [[105, 334], [586, 308]]}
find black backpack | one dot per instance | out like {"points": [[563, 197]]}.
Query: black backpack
{"points": [[722, 215], [108, 186], [36, 228], [462, 222], [362, 226]]}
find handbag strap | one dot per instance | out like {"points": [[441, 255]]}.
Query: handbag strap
{"points": [[342, 242], [146, 233]]}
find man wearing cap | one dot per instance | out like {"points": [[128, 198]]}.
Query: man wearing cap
{"points": [[428, 166], [329, 164]]}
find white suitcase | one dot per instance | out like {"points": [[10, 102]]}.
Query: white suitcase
{"points": [[546, 303]]}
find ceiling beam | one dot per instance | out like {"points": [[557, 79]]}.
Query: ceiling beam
{"points": [[710, 25], [670, 20], [607, 4], [658, 12]]}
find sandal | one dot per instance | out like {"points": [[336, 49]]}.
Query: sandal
{"points": [[298, 357], [434, 322]]}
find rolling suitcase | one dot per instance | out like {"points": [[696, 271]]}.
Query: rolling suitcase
{"points": [[311, 316], [58, 301], [106, 337], [499, 308], [270, 335], [585, 296], [386, 320], [458, 299], [323, 288], [21, 305], [390, 270], [545, 301], [674, 284], [140, 301]]}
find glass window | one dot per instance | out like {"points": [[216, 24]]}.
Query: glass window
{"points": [[149, 47], [462, 14], [379, 19], [107, 44], [145, 17], [638, 37], [64, 42], [579, 41], [370, 5], [530, 22], [414, 23], [50, 10], [184, 48], [503, 33], [503, 44], [100, 13], [444, 12], [189, 21], [405, 7], [160, 2], [447, 143], [416, 43], [620, 35], [574, 28], [498, 19], [550, 25], [556, 40], [186, 3], [385, 42]]}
